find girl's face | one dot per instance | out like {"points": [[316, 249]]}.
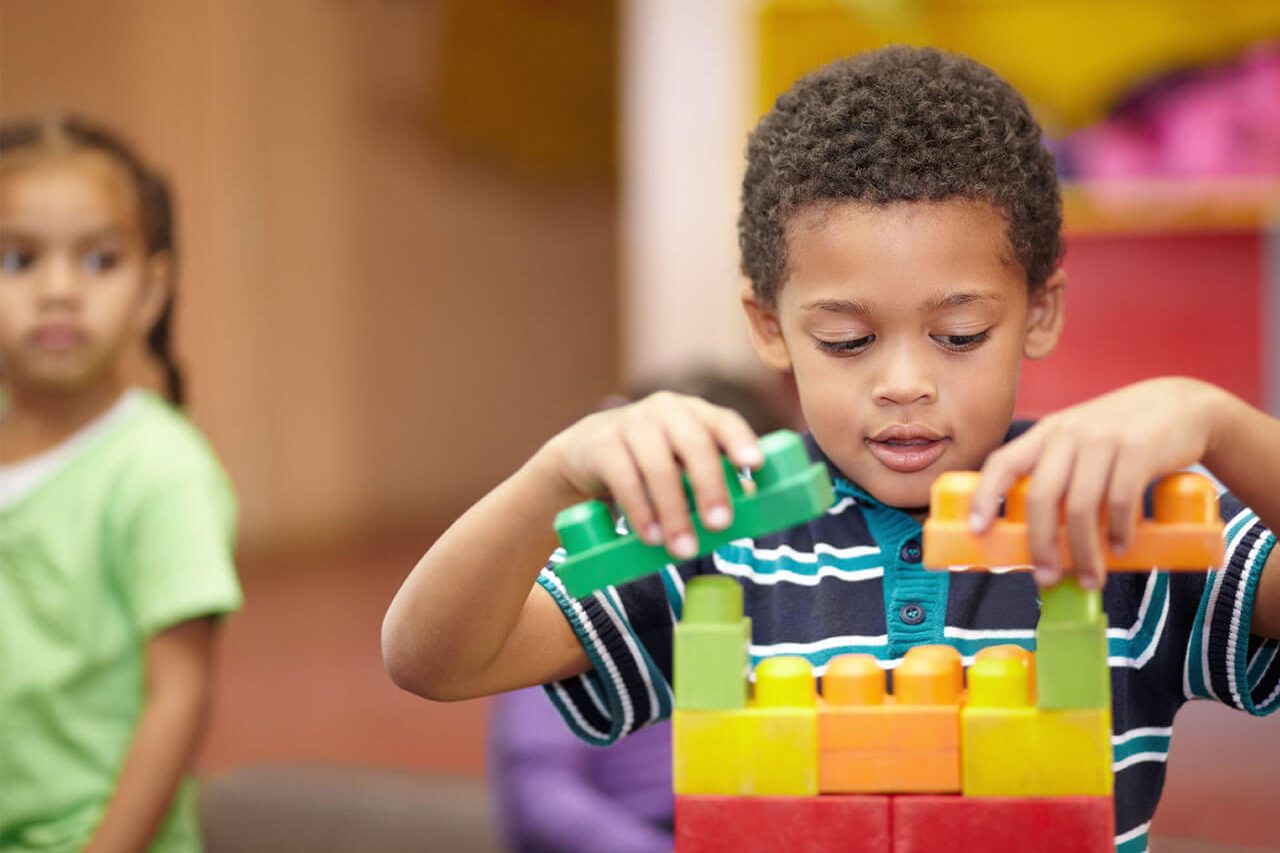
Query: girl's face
{"points": [[77, 287]]}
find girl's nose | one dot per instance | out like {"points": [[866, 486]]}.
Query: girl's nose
{"points": [[56, 280]]}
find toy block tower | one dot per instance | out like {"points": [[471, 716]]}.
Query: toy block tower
{"points": [[787, 490], [907, 742], [1011, 748]]}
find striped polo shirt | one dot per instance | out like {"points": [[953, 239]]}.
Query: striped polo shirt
{"points": [[851, 581]]}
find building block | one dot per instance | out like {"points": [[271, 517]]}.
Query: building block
{"points": [[1071, 648], [710, 662], [769, 748], [781, 729], [1011, 748], [827, 824], [942, 824], [708, 752], [788, 490], [1185, 531], [870, 742]]}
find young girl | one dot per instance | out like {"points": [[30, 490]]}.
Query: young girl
{"points": [[116, 520]]}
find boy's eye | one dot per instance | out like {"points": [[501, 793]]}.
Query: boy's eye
{"points": [[100, 261], [14, 261], [962, 343], [851, 347]]}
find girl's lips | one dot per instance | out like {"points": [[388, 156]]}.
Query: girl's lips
{"points": [[907, 457], [57, 337]]}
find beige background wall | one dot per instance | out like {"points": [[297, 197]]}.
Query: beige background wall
{"points": [[376, 327]]}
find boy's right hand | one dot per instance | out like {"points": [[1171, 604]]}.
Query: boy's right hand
{"points": [[636, 453]]}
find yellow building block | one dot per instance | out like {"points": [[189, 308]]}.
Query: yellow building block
{"points": [[770, 748], [780, 728], [707, 749], [1011, 748]]}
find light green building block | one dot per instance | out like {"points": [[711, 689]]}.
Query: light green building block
{"points": [[1071, 648], [789, 490], [710, 662]]}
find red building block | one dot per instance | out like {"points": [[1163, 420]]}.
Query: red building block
{"points": [[825, 824], [942, 824]]}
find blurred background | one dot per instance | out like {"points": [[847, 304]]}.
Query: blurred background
{"points": [[420, 236]]}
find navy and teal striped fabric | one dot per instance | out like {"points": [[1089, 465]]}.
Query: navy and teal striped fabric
{"points": [[851, 581]]}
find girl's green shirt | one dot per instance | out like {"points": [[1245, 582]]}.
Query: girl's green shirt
{"points": [[131, 532]]}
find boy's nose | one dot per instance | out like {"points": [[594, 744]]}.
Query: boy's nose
{"points": [[903, 380]]}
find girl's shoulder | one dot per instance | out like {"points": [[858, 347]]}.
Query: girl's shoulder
{"points": [[142, 445]]}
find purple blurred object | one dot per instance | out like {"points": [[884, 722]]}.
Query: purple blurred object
{"points": [[1222, 121], [552, 793]]}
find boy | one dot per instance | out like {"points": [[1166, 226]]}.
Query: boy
{"points": [[900, 228]]}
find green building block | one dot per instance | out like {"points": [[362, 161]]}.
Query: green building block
{"points": [[1071, 649], [710, 662], [789, 490]]}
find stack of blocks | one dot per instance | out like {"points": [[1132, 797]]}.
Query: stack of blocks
{"points": [[1015, 757], [1018, 758]]}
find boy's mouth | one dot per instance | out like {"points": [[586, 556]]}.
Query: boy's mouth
{"points": [[907, 448]]}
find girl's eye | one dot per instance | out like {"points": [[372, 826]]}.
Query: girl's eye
{"points": [[14, 261], [852, 347], [963, 343], [100, 261]]}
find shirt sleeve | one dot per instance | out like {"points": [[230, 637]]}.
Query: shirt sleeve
{"points": [[1224, 662], [176, 559], [627, 633]]}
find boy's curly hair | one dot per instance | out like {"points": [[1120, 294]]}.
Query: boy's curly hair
{"points": [[898, 124]]}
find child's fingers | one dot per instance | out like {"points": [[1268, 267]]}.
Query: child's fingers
{"points": [[732, 432], [1089, 478], [1124, 499], [695, 446], [620, 475], [653, 456], [1044, 501], [1003, 466]]}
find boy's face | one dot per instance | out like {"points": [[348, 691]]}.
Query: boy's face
{"points": [[905, 325]]}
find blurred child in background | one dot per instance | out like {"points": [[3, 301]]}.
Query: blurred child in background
{"points": [[553, 793], [116, 519]]}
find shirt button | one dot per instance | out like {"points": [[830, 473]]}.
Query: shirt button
{"points": [[911, 614], [910, 552]]}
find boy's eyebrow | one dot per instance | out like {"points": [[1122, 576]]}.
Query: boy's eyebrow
{"points": [[838, 306], [955, 300]]}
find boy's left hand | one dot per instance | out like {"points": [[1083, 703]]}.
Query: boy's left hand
{"points": [[1094, 461]]}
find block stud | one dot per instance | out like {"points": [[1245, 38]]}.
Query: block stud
{"points": [[998, 681], [712, 600], [785, 682], [952, 495], [1187, 499], [853, 680], [584, 526], [1010, 651], [1015, 502], [784, 456], [929, 675]]}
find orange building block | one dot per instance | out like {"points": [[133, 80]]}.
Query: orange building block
{"points": [[908, 742], [1185, 531]]}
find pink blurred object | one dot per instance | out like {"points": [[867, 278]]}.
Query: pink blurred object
{"points": [[1214, 122]]}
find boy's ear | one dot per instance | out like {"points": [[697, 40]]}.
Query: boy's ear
{"points": [[1045, 315], [155, 290], [766, 331]]}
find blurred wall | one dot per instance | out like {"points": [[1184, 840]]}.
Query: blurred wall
{"points": [[377, 328]]}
